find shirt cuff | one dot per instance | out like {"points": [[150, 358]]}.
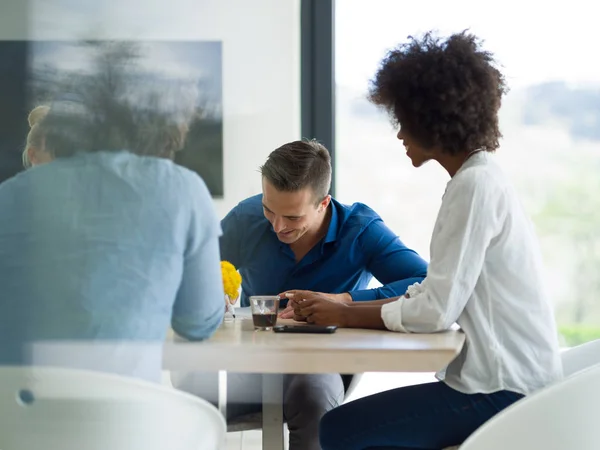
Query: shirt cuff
{"points": [[391, 313], [364, 295], [415, 289]]}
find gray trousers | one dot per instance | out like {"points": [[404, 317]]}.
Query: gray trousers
{"points": [[306, 398]]}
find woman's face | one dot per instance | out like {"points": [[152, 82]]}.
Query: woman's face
{"points": [[417, 153]]}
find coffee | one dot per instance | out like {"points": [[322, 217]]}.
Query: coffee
{"points": [[264, 320], [264, 311]]}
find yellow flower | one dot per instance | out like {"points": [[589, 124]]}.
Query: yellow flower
{"points": [[232, 280]]}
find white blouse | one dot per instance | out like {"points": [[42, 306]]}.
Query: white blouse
{"points": [[486, 275]]}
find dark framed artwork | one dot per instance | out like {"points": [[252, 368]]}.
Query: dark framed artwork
{"points": [[171, 77]]}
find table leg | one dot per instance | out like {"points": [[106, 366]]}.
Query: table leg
{"points": [[222, 394], [272, 416]]}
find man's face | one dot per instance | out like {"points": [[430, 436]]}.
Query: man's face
{"points": [[292, 214]]}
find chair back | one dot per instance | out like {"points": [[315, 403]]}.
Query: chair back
{"points": [[562, 416], [581, 357], [54, 408]]}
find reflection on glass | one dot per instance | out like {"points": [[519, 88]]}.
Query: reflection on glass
{"points": [[169, 92]]}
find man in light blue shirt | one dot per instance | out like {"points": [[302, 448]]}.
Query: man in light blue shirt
{"points": [[106, 249]]}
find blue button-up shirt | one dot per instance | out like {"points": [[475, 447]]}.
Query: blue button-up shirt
{"points": [[357, 246], [106, 249]]}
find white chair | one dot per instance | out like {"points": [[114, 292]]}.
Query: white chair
{"points": [[581, 357], [69, 409], [576, 359], [165, 379], [562, 416]]}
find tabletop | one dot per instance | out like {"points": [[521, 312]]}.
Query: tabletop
{"points": [[237, 347]]}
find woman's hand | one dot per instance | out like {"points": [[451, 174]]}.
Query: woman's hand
{"points": [[319, 309], [288, 312]]}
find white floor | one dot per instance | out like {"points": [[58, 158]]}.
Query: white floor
{"points": [[371, 383]]}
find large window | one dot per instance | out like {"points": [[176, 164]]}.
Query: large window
{"points": [[550, 121]]}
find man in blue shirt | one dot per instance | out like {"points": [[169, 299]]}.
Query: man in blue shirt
{"points": [[350, 245], [295, 236]]}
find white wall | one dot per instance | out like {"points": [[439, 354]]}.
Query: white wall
{"points": [[261, 61]]}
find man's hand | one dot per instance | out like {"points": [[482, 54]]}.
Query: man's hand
{"points": [[288, 312], [319, 309]]}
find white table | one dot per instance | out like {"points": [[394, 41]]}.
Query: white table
{"points": [[236, 347]]}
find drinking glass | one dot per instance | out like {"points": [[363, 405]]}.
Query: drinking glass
{"points": [[265, 309]]}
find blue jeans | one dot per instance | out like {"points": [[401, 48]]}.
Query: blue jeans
{"points": [[428, 416]]}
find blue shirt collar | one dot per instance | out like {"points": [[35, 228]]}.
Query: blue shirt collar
{"points": [[332, 231]]}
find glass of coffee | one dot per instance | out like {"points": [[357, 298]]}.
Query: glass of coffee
{"points": [[264, 311]]}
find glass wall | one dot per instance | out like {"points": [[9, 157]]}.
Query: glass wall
{"points": [[550, 121], [244, 85]]}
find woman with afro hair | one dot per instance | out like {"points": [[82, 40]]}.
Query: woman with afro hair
{"points": [[485, 272]]}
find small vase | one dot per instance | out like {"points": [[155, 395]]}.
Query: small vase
{"points": [[229, 309]]}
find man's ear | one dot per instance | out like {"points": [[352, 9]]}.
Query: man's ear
{"points": [[324, 203]]}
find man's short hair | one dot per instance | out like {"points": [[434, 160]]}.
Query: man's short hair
{"points": [[297, 165]]}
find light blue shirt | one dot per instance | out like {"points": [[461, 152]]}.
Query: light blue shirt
{"points": [[106, 249]]}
